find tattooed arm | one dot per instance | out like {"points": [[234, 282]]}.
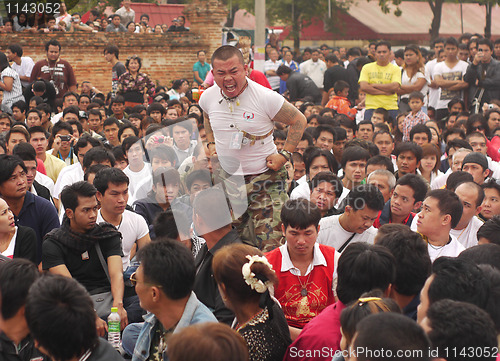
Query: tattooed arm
{"points": [[210, 134], [291, 116], [296, 121]]}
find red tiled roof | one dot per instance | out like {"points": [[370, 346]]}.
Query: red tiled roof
{"points": [[365, 20], [158, 14]]}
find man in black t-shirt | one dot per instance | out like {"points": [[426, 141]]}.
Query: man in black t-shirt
{"points": [[111, 54], [71, 250]]}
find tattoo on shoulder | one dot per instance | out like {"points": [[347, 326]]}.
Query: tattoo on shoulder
{"points": [[286, 113]]}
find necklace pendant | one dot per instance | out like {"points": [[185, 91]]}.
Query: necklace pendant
{"points": [[303, 292]]}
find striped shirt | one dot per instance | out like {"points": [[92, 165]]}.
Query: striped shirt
{"points": [[16, 93]]}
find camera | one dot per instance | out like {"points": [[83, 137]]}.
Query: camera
{"points": [[65, 138]]}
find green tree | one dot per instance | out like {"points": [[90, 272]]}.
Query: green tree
{"points": [[297, 13]]}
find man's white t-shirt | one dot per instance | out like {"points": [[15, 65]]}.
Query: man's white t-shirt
{"points": [[468, 236], [137, 178], [332, 234], [45, 181], [132, 228], [24, 69], [451, 249], [433, 92], [68, 175], [253, 113], [455, 73]]}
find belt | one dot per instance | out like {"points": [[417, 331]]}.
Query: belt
{"points": [[254, 138]]}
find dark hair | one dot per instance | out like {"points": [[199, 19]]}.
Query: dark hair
{"points": [[207, 341], [16, 278], [363, 267], [313, 153], [109, 175], [21, 105], [420, 128], [490, 230], [16, 49], [283, 69], [416, 183], [4, 62], [365, 195], [451, 41], [354, 153], [456, 178], [52, 42], [130, 141], [98, 155], [452, 131], [457, 143], [8, 164], [448, 203], [323, 128], [134, 57], [70, 194], [300, 213], [170, 223], [327, 177], [156, 107], [368, 304], [381, 160], [459, 280], [61, 125], [112, 49], [416, 95], [340, 85], [57, 306], [84, 141], [460, 326], [395, 334], [381, 43], [25, 151], [227, 264], [93, 169], [485, 41], [488, 253], [169, 264], [199, 174], [364, 122], [410, 147], [413, 264], [70, 94], [163, 152]]}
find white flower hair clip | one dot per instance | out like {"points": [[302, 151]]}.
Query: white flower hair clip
{"points": [[249, 276]]}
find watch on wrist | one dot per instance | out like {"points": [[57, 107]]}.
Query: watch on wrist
{"points": [[286, 154]]}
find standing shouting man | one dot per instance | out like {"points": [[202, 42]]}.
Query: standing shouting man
{"points": [[239, 121]]}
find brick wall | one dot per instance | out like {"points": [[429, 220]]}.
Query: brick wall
{"points": [[165, 57]]}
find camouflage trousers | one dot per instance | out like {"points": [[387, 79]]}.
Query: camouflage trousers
{"points": [[260, 224]]}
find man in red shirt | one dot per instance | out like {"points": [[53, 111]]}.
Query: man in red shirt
{"points": [[57, 71], [304, 267]]}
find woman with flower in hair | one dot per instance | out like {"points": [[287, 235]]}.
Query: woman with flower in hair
{"points": [[244, 277]]}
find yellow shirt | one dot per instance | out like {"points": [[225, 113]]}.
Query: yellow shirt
{"points": [[53, 165], [376, 74]]}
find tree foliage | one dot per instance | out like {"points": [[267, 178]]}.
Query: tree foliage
{"points": [[296, 13]]}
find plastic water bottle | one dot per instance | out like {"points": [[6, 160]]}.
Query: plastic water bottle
{"points": [[114, 328]]}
